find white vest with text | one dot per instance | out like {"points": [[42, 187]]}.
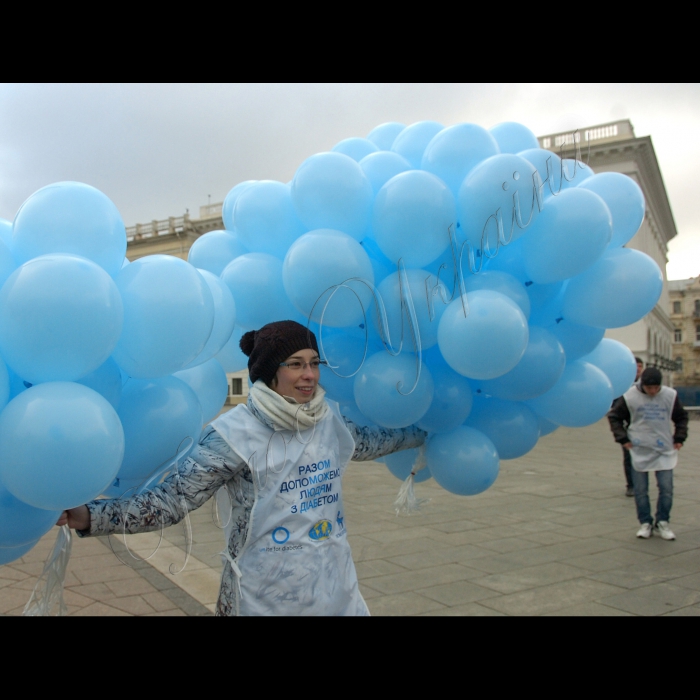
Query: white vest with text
{"points": [[296, 559], [650, 429]]}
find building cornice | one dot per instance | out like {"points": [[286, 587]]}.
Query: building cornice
{"points": [[640, 150]]}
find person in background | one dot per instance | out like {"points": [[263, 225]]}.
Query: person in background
{"points": [[641, 422], [626, 459]]}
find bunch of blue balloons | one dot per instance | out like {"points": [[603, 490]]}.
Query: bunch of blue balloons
{"points": [[458, 279], [108, 369]]}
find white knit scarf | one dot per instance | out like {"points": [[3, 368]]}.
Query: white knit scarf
{"points": [[285, 413]]}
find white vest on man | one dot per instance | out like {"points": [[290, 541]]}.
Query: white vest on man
{"points": [[650, 430], [296, 559]]}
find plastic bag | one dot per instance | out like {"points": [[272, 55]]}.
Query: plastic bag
{"points": [[406, 502], [47, 596]]}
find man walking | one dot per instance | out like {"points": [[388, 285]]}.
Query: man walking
{"points": [[641, 422]]}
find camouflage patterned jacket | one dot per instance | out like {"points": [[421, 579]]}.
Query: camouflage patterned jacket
{"points": [[211, 465]]}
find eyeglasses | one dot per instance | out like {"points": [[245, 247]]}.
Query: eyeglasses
{"points": [[297, 366]]}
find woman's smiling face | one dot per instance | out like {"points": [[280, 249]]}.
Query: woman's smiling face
{"points": [[299, 384]]}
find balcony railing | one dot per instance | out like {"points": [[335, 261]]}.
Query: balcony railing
{"points": [[173, 224]]}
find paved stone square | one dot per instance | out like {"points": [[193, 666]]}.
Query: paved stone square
{"points": [[555, 535]]}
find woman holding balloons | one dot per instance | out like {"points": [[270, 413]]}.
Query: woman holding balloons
{"points": [[281, 458]]}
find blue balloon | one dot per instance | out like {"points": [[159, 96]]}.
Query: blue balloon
{"points": [[625, 200], [411, 217], [345, 355], [6, 233], [230, 203], [231, 357], [429, 299], [159, 416], [412, 141], [70, 217], [214, 250], [541, 295], [618, 363], [455, 151], [464, 461], [60, 318], [351, 411], [503, 282], [546, 426], [582, 396], [7, 263], [106, 380], [619, 289], [577, 340], [17, 384], [210, 384], [355, 147], [124, 488], [330, 190], [509, 258], [389, 392], [452, 400], [321, 275], [4, 384], [224, 318], [381, 265], [513, 137], [255, 280], [265, 219], [497, 193], [21, 523], [384, 135], [489, 341], [10, 554], [574, 172], [380, 167], [401, 463], [569, 235], [548, 166], [536, 373], [168, 316], [61, 444], [511, 426]]}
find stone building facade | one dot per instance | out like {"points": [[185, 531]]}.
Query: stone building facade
{"points": [[613, 147], [684, 308]]}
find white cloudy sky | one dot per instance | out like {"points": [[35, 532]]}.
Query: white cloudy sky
{"points": [[158, 149]]}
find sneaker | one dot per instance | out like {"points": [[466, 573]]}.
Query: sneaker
{"points": [[630, 492], [645, 531], [664, 530]]}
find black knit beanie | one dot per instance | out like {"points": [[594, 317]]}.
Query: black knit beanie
{"points": [[651, 376], [273, 344]]}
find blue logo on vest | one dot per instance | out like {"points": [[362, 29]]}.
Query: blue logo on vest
{"points": [[321, 530], [280, 535]]}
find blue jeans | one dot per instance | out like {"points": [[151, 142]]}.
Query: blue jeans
{"points": [[664, 480]]}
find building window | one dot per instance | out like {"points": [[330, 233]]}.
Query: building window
{"points": [[697, 307], [677, 335], [676, 307], [697, 334], [679, 364], [236, 386]]}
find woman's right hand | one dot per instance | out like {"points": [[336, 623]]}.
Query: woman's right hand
{"points": [[76, 518]]}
